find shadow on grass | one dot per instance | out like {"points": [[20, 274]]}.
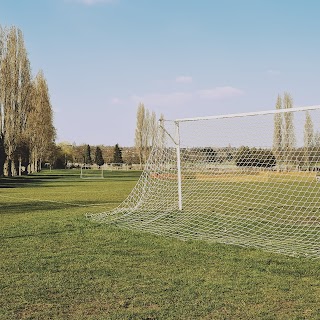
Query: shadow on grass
{"points": [[47, 205], [41, 179], [28, 181]]}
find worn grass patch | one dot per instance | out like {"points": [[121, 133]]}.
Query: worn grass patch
{"points": [[55, 264]]}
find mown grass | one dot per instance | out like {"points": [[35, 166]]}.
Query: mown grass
{"points": [[55, 264]]}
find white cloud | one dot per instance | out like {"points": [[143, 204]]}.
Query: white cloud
{"points": [[219, 93], [272, 72], [184, 79], [163, 99], [93, 2], [176, 99], [116, 101]]}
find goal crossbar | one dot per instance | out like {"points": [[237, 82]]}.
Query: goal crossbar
{"points": [[249, 114]]}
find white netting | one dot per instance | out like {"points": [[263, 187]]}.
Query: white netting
{"points": [[246, 180]]}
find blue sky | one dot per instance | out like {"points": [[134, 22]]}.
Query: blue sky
{"points": [[182, 58]]}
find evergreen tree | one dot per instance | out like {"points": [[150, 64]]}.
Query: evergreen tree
{"points": [[98, 157], [87, 155], [117, 154]]}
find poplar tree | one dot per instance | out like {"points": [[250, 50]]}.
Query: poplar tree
{"points": [[308, 138], [140, 133], [146, 132], [289, 134], [2, 78], [162, 134], [277, 132], [2, 155], [153, 128], [26, 120], [15, 92], [41, 131]]}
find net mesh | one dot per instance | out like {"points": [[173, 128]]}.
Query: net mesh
{"points": [[245, 180]]}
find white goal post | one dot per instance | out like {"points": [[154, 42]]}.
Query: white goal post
{"points": [[248, 179], [116, 166], [89, 171]]}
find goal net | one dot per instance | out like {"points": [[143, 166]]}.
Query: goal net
{"points": [[89, 171], [246, 179]]}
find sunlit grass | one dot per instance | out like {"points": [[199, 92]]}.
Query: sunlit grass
{"points": [[55, 264]]}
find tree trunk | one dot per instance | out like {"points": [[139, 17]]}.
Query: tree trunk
{"points": [[9, 167], [20, 166]]}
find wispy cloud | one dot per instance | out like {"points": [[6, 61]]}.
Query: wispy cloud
{"points": [[184, 79], [273, 72], [218, 93], [93, 2], [181, 98], [163, 99], [116, 101]]}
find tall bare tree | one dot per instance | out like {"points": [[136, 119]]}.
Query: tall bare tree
{"points": [[153, 128], [277, 131], [145, 134], [289, 139], [15, 89], [140, 133], [308, 139], [26, 125], [3, 36], [40, 125]]}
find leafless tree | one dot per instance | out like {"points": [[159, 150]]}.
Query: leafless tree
{"points": [[40, 125]]}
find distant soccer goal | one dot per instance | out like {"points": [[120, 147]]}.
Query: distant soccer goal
{"points": [[89, 171], [245, 179], [116, 166]]}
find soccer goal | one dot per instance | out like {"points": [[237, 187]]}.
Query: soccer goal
{"points": [[116, 166], [245, 179], [89, 171]]}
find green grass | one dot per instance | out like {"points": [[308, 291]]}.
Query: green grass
{"points": [[55, 264]]}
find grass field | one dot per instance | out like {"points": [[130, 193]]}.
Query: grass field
{"points": [[55, 264]]}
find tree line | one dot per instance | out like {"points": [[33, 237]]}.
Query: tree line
{"points": [[146, 132], [284, 151], [73, 155], [145, 137], [27, 133]]}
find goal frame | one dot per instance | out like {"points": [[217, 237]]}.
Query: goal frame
{"points": [[176, 140], [89, 167], [247, 179], [120, 166]]}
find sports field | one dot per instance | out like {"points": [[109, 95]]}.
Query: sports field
{"points": [[56, 264]]}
